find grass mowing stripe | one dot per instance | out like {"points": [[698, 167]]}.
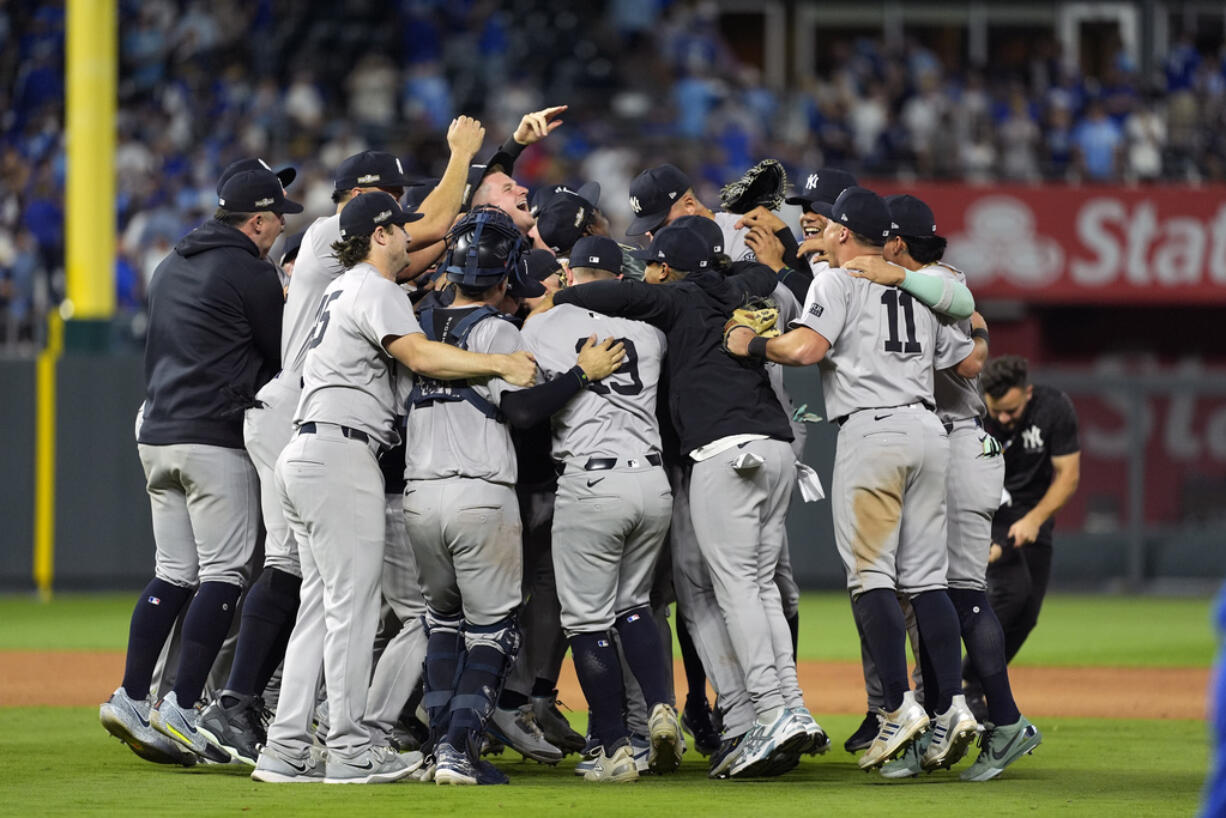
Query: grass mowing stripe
{"points": [[1074, 629], [1084, 767]]}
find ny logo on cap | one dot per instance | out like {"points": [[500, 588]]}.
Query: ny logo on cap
{"points": [[382, 217], [264, 202], [579, 218], [368, 178], [399, 167], [811, 182], [635, 206], [265, 164]]}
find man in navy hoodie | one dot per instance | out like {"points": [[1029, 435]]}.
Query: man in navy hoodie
{"points": [[214, 339]]}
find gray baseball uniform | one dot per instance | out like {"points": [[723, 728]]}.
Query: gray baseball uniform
{"points": [[734, 240], [976, 468], [610, 523], [267, 428], [460, 503], [332, 494], [893, 452]]}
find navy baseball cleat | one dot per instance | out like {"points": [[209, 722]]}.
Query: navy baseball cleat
{"points": [[696, 719], [864, 735]]}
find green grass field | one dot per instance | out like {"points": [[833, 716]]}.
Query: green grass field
{"points": [[59, 761]]}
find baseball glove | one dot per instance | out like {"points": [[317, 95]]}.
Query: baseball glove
{"points": [[763, 185], [760, 315]]}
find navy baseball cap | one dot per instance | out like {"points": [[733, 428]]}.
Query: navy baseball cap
{"points": [[681, 248], [542, 264], [286, 174], [415, 195], [652, 194], [860, 210], [372, 169], [706, 228], [600, 252], [292, 245], [368, 211], [823, 186], [911, 216], [253, 191], [476, 173], [563, 219], [588, 191]]}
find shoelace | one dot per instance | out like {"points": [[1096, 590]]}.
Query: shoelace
{"points": [[985, 738]]}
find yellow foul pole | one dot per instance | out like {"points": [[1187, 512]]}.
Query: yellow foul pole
{"points": [[90, 228]]}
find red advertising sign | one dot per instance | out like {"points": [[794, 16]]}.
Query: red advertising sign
{"points": [[1084, 244]]}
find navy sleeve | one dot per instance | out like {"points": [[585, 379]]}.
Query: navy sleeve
{"points": [[654, 304], [757, 280], [790, 247], [506, 156], [525, 408], [264, 305]]}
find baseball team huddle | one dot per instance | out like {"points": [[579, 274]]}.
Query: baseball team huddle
{"points": [[477, 432]]}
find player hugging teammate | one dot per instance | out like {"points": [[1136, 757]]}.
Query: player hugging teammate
{"points": [[425, 568]]}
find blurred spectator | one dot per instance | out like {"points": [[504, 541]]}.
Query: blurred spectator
{"points": [[1096, 144], [203, 83]]}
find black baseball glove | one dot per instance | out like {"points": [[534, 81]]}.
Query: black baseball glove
{"points": [[763, 185]]}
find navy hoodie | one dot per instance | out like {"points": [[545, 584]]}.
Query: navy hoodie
{"points": [[214, 338]]}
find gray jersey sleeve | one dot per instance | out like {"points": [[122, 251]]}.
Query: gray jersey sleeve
{"points": [[314, 270], [617, 416], [734, 240], [957, 397], [825, 308]]}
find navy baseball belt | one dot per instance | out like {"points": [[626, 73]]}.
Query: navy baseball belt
{"points": [[844, 418], [961, 423], [607, 463], [309, 428]]}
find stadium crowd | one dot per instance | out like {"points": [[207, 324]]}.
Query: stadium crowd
{"points": [[204, 83]]}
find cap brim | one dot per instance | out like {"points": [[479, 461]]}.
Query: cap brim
{"points": [[646, 254], [643, 224], [287, 176], [822, 209], [411, 217], [526, 287], [803, 201], [287, 206]]}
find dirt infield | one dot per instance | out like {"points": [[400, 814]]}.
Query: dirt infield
{"points": [[86, 678]]}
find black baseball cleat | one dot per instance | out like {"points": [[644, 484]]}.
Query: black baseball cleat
{"points": [[864, 735], [696, 719]]}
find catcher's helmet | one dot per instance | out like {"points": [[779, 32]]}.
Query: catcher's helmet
{"points": [[484, 247]]}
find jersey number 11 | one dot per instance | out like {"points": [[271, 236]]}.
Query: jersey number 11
{"points": [[893, 299]]}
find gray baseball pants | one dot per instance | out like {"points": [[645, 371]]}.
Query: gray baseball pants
{"points": [[738, 518], [267, 430], [400, 666], [466, 537], [332, 494]]}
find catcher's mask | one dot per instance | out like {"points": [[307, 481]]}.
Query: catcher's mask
{"points": [[484, 247]]}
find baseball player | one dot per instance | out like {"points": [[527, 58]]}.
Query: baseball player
{"points": [[888, 495], [1037, 427], [271, 605], [460, 502], [736, 435], [610, 518], [696, 595], [976, 477], [215, 311], [333, 494]]}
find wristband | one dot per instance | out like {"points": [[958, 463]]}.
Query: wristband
{"points": [[980, 332], [584, 380], [757, 348]]}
